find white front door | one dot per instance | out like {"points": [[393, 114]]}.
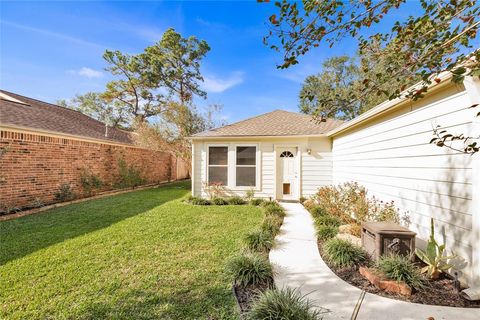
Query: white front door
{"points": [[287, 187]]}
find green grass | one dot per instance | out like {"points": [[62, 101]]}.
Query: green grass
{"points": [[140, 255]]}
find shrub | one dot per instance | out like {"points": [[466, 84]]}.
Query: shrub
{"points": [[259, 241], [250, 269], [256, 202], [400, 268], [342, 253], [236, 201], [214, 189], [199, 201], [317, 211], [128, 175], [219, 201], [272, 224], [275, 210], [90, 182], [64, 193], [249, 194], [302, 199], [326, 232], [327, 221], [36, 203], [285, 304], [270, 203]]}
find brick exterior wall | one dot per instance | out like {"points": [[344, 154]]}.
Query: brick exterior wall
{"points": [[34, 166]]}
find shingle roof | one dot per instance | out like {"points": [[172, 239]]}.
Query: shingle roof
{"points": [[275, 123], [35, 114]]}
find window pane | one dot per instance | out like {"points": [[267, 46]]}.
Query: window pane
{"points": [[246, 155], [218, 155], [246, 176], [218, 175]]}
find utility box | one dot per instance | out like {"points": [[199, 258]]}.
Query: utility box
{"points": [[380, 238]]}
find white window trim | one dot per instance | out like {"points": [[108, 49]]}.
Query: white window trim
{"points": [[207, 176], [256, 187]]}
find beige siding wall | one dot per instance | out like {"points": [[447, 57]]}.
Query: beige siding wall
{"points": [[392, 157], [315, 168]]}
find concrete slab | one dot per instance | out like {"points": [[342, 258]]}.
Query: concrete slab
{"points": [[298, 265]]}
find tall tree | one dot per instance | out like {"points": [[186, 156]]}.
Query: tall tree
{"points": [[93, 105], [437, 39]]}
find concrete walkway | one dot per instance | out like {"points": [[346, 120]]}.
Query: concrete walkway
{"points": [[299, 265]]}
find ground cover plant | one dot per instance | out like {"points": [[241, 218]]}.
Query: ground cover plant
{"points": [[140, 255], [285, 304]]}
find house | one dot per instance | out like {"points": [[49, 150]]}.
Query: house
{"points": [[44, 147], [284, 155]]}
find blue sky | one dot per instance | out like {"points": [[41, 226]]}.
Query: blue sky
{"points": [[53, 50]]}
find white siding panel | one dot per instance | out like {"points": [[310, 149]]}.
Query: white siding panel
{"points": [[393, 159]]}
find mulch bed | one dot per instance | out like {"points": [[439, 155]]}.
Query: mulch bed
{"points": [[440, 292], [246, 295]]}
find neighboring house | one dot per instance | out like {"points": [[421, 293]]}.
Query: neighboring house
{"points": [[44, 147], [284, 155]]}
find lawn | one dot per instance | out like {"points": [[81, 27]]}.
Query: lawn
{"points": [[140, 255]]}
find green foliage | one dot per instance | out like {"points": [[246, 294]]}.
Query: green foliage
{"points": [[434, 256], [327, 221], [274, 209], [129, 176], [256, 202], [36, 203], [249, 194], [90, 182], [438, 38], [64, 192], [342, 253], [219, 201], [325, 232], [250, 269], [92, 104], [302, 199], [285, 304], [199, 201], [401, 268], [272, 224], [236, 201], [317, 211], [259, 241]]}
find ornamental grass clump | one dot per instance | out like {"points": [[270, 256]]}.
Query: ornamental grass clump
{"points": [[275, 210], [219, 201], [342, 253], [327, 221], [236, 201], [285, 304], [401, 268], [256, 202], [259, 241], [250, 269], [317, 211], [199, 201], [272, 224], [326, 232]]}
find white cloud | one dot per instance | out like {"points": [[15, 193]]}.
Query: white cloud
{"points": [[214, 84], [87, 72]]}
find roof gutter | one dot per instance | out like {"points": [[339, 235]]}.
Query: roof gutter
{"points": [[389, 105]]}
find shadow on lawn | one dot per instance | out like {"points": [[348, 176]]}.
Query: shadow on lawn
{"points": [[22, 236], [212, 303]]}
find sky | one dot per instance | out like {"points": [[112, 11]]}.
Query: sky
{"points": [[53, 50]]}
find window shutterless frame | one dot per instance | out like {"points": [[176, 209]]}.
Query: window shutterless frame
{"points": [[246, 167], [213, 166]]}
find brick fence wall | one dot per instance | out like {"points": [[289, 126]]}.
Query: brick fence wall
{"points": [[34, 166]]}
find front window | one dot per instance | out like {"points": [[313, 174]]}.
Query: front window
{"points": [[246, 166], [218, 165]]}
